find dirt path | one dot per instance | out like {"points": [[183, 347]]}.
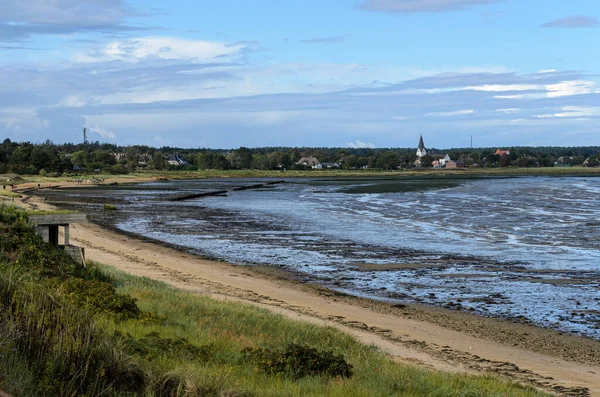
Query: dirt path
{"points": [[401, 335]]}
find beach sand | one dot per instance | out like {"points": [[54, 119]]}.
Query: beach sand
{"points": [[436, 338]]}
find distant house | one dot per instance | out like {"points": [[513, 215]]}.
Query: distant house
{"points": [[440, 161], [330, 165], [177, 160], [454, 164], [564, 161], [311, 162], [444, 161], [502, 153]]}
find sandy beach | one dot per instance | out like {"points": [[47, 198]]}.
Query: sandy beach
{"points": [[437, 338]]}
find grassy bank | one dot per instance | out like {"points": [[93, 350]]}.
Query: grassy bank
{"points": [[7, 194], [67, 330], [328, 173]]}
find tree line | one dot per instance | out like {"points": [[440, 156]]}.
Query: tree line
{"points": [[53, 159]]}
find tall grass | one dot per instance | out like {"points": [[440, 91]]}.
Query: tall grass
{"points": [[231, 327]]}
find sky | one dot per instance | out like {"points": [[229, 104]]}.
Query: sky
{"points": [[308, 73]]}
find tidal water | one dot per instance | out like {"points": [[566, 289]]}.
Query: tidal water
{"points": [[523, 248]]}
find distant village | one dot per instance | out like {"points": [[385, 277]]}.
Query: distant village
{"points": [[499, 158], [53, 159]]}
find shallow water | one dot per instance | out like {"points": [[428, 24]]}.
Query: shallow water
{"points": [[522, 248]]}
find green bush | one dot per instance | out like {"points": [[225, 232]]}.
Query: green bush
{"points": [[153, 346], [60, 345], [298, 361], [26, 252], [109, 207], [97, 296]]}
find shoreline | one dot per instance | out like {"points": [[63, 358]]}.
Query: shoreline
{"points": [[31, 181], [470, 294], [432, 313], [437, 338]]}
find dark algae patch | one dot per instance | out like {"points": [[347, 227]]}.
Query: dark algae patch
{"points": [[401, 186]]}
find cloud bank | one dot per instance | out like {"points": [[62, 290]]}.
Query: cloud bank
{"points": [[576, 21], [20, 20], [211, 101], [416, 6]]}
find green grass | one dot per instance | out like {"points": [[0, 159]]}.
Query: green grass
{"points": [[9, 194], [230, 327], [327, 173], [54, 212]]}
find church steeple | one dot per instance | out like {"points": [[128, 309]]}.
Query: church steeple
{"points": [[421, 150]]}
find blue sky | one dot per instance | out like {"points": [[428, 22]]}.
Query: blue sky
{"points": [[353, 73]]}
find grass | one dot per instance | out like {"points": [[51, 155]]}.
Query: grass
{"points": [[73, 331], [9, 194], [327, 173], [54, 212], [230, 327]]}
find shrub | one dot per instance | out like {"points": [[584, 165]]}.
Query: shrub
{"points": [[25, 251], [97, 296], [61, 346], [109, 207], [148, 318], [298, 361], [153, 346]]}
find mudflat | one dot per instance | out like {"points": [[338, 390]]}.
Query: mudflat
{"points": [[437, 338]]}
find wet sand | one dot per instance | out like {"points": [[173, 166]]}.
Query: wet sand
{"points": [[437, 338]]}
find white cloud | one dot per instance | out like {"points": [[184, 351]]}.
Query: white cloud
{"points": [[453, 113], [564, 88], [359, 145], [21, 120], [75, 101], [575, 87], [516, 96], [579, 111], [508, 110], [169, 48], [103, 133], [505, 87]]}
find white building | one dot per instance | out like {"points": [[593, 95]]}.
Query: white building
{"points": [[311, 162]]}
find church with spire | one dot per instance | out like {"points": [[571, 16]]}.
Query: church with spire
{"points": [[421, 150]]}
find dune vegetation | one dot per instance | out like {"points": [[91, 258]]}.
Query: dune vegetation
{"points": [[69, 330]]}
